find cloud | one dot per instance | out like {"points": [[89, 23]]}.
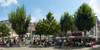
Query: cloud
{"points": [[38, 14], [5, 3], [95, 4]]}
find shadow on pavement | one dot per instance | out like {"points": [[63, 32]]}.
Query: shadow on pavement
{"points": [[37, 47], [56, 47], [98, 48], [68, 48]]}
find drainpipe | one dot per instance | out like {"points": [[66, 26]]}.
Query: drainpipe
{"points": [[31, 36], [96, 31]]}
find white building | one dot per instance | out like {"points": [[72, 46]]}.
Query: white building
{"points": [[31, 29], [95, 32]]}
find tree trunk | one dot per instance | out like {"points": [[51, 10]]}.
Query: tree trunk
{"points": [[84, 33], [40, 39], [31, 37], [3, 40], [63, 34], [20, 41], [66, 33], [22, 37]]}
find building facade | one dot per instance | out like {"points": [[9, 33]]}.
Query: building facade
{"points": [[31, 29], [93, 33]]}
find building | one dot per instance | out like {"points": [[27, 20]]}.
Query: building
{"points": [[12, 33], [31, 29], [30, 35], [93, 33]]}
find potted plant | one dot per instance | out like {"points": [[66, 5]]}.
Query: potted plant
{"points": [[23, 43]]}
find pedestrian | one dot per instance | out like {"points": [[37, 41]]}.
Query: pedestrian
{"points": [[46, 44], [71, 43], [92, 44], [14, 42], [7, 43], [64, 42], [59, 43], [55, 43], [34, 42], [37, 43], [18, 43], [10, 44], [82, 42]]}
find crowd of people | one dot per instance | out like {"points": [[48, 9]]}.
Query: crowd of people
{"points": [[9, 42], [63, 43], [54, 42]]}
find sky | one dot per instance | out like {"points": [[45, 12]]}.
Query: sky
{"points": [[39, 8]]}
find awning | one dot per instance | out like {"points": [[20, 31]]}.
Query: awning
{"points": [[91, 36], [63, 37], [58, 37], [1, 39], [71, 37]]}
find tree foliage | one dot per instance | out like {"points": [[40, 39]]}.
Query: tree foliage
{"points": [[40, 27], [4, 30], [19, 21], [84, 18], [66, 22], [48, 26]]}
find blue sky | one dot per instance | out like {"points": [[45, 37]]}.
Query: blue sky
{"points": [[39, 8]]}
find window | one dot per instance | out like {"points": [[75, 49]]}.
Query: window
{"points": [[91, 32]]}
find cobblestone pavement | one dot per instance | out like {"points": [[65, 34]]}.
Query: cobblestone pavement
{"points": [[96, 47]]}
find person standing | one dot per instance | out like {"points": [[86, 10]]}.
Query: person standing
{"points": [[7, 43], [82, 42], [14, 42], [34, 42], [46, 44], [92, 44], [55, 43], [65, 42], [10, 44], [71, 43], [18, 43], [59, 43]]}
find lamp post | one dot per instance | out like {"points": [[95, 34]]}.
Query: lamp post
{"points": [[31, 36], [27, 37]]}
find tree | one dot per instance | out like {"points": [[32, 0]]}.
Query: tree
{"points": [[66, 22], [53, 27], [19, 21], [84, 18], [40, 27], [4, 30], [48, 26]]}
